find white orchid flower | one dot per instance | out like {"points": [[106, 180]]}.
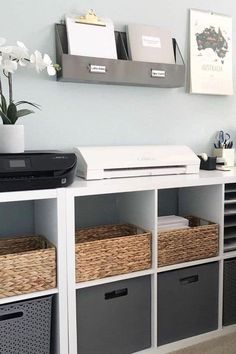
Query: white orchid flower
{"points": [[37, 60], [20, 53], [42, 62], [9, 66], [6, 49], [50, 68]]}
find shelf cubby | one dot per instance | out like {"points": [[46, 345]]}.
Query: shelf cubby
{"points": [[137, 208], [97, 213], [190, 202], [29, 213]]}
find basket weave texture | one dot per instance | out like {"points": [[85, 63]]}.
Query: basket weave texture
{"points": [[183, 245], [109, 250], [27, 264]]}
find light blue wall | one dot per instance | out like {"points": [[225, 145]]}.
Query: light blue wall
{"points": [[83, 114]]}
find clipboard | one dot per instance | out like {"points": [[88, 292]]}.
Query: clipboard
{"points": [[91, 37]]}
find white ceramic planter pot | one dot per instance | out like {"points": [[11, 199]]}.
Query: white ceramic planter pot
{"points": [[11, 138]]}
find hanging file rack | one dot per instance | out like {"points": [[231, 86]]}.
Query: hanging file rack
{"points": [[121, 71]]}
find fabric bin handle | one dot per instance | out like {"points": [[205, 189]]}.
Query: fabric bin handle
{"points": [[10, 316], [189, 280], [116, 293]]}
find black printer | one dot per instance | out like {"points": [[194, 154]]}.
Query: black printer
{"points": [[36, 170]]}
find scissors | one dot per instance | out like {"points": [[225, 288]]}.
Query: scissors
{"points": [[223, 140]]}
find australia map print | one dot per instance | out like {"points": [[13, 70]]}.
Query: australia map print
{"points": [[210, 38], [210, 53]]}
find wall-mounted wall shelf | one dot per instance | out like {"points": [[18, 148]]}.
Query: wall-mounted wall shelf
{"points": [[122, 71]]}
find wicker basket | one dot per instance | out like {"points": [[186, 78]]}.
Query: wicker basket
{"points": [[108, 250], [27, 264], [184, 245]]}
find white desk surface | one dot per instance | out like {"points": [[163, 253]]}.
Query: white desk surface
{"points": [[118, 185]]}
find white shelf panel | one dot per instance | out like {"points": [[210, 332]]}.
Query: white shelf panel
{"points": [[188, 342], [81, 187], [230, 201], [230, 212], [8, 300], [229, 245], [95, 282], [28, 195], [151, 350], [230, 254], [188, 264], [230, 233], [233, 190], [229, 223]]}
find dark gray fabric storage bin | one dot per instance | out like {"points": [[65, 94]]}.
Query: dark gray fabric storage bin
{"points": [[25, 327], [229, 303], [187, 302], [114, 318]]}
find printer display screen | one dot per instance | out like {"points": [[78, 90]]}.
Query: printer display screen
{"points": [[17, 163]]}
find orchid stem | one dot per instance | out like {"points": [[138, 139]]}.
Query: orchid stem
{"points": [[0, 86], [10, 88]]}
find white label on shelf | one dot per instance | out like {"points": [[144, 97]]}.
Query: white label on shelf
{"points": [[99, 69], [158, 73], [154, 42]]}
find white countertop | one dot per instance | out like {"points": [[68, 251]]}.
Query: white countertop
{"points": [[117, 185]]}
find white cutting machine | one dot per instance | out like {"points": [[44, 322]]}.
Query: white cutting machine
{"points": [[98, 162]]}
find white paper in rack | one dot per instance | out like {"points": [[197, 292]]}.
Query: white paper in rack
{"points": [[91, 40]]}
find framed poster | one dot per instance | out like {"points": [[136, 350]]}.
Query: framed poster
{"points": [[210, 53]]}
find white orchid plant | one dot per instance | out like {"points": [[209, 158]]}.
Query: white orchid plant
{"points": [[11, 57]]}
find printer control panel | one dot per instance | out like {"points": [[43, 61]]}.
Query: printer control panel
{"points": [[16, 163]]}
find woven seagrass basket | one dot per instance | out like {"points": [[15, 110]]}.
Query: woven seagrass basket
{"points": [[27, 264], [109, 250], [184, 245]]}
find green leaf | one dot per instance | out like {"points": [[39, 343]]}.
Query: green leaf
{"points": [[12, 112], [5, 119], [30, 103], [4, 104], [24, 112]]}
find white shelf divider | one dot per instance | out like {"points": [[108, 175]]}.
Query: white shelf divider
{"points": [[140, 208], [28, 195], [113, 279], [50, 221], [9, 300], [188, 264], [70, 250]]}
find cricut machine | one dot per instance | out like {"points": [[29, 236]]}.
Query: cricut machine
{"points": [[98, 162], [36, 170]]}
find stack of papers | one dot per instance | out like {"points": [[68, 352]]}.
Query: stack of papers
{"points": [[171, 222]]}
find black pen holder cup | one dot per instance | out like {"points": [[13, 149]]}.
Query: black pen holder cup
{"points": [[209, 164]]}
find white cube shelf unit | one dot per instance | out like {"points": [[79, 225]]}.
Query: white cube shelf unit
{"points": [[139, 201], [41, 212], [58, 213]]}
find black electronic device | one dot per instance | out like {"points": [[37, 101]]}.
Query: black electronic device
{"points": [[36, 170]]}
